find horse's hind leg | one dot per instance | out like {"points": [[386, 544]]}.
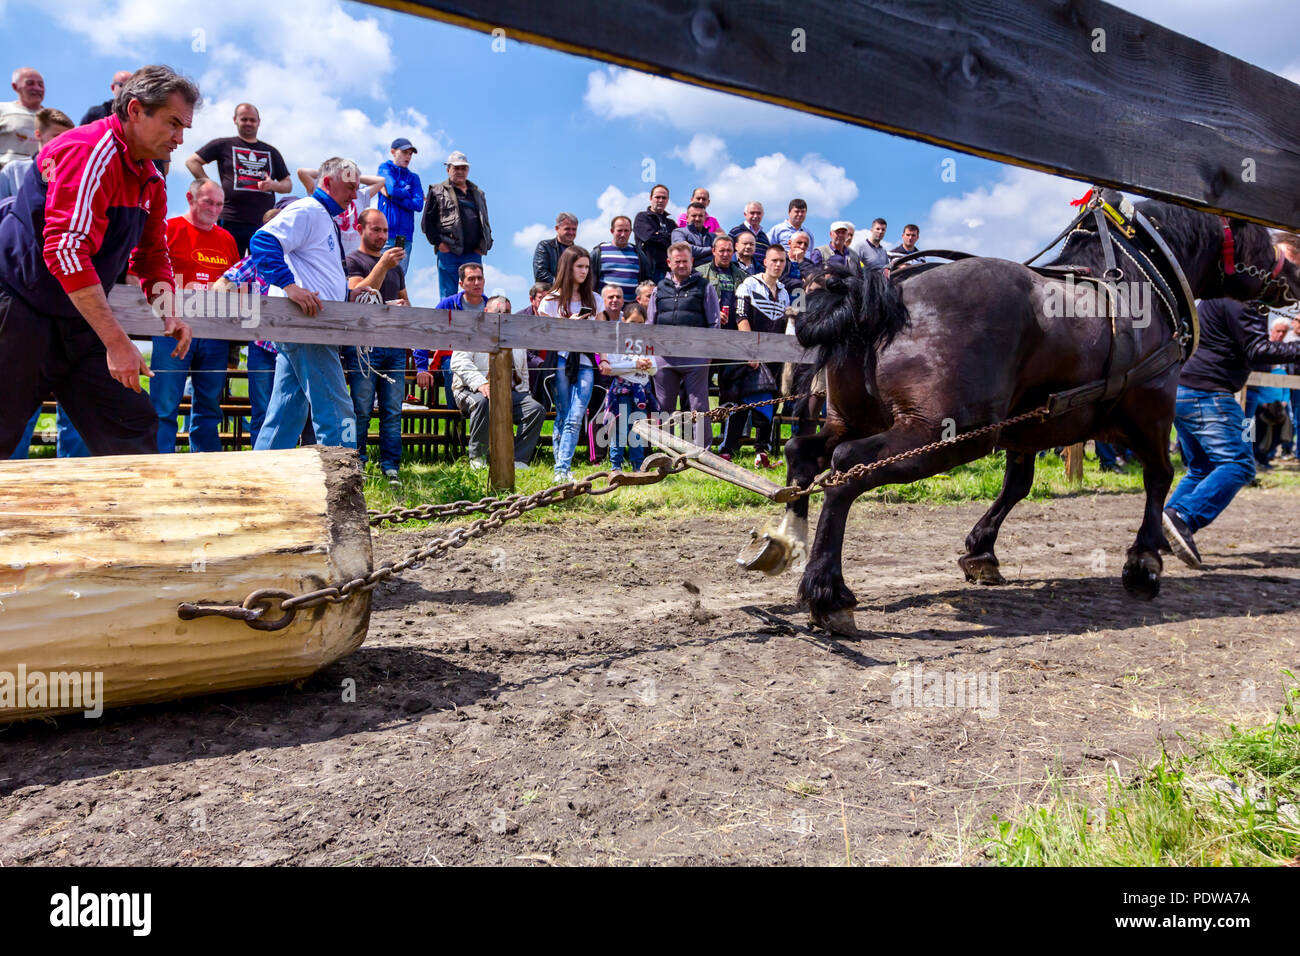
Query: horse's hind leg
{"points": [[979, 562], [1149, 441]]}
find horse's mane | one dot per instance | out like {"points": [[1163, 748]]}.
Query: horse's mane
{"points": [[852, 314]]}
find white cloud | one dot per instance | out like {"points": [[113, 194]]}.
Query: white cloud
{"points": [[423, 288], [1292, 73], [616, 93], [513, 287], [300, 66], [1013, 218], [704, 151], [528, 237], [774, 180], [593, 229], [610, 203], [422, 285]]}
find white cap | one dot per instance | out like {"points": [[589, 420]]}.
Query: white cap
{"points": [[841, 224]]}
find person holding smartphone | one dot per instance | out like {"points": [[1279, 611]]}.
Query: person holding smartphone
{"points": [[571, 297]]}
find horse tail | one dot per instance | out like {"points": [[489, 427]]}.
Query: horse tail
{"points": [[852, 314]]}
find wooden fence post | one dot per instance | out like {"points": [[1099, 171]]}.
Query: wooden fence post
{"points": [[501, 428], [1074, 464]]}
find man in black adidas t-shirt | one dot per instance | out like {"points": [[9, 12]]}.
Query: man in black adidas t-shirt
{"points": [[251, 173]]}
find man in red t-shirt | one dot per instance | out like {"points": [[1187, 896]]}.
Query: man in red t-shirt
{"points": [[200, 252]]}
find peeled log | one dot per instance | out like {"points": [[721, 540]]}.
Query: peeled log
{"points": [[96, 554]]}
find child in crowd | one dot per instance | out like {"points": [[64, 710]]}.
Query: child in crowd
{"points": [[628, 398]]}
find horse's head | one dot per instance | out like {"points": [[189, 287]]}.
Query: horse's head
{"points": [[1228, 257], [1253, 266], [849, 311]]}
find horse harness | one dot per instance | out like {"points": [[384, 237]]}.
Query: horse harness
{"points": [[1119, 228]]}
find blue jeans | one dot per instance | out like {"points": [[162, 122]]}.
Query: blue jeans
{"points": [[389, 378], [25, 443], [1295, 419], [449, 271], [1214, 440], [571, 398], [70, 444], [308, 381], [206, 360], [261, 376], [1106, 456], [625, 415]]}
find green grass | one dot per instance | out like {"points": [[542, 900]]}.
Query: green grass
{"points": [[693, 493], [1169, 814]]}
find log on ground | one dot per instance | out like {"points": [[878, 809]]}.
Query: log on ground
{"points": [[96, 554]]}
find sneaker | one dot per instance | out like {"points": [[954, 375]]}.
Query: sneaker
{"points": [[393, 477], [725, 455], [521, 466], [1180, 539], [478, 464], [561, 478], [762, 461]]}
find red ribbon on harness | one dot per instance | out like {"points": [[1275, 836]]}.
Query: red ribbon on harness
{"points": [[1083, 200], [1229, 249]]}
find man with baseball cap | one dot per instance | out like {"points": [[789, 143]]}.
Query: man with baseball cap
{"points": [[401, 197], [837, 254], [455, 221]]}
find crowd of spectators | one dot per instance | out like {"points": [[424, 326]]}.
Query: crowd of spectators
{"points": [[352, 238]]}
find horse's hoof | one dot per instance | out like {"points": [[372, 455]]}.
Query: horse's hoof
{"points": [[981, 569], [839, 622], [1142, 576], [776, 548]]}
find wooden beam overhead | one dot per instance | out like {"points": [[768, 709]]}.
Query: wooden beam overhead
{"points": [[1079, 88]]}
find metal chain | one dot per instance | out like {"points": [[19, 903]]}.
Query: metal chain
{"points": [[253, 609], [455, 509], [834, 479], [723, 412]]}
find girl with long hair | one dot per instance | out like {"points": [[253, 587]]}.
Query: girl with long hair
{"points": [[571, 297]]}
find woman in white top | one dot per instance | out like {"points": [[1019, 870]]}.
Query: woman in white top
{"points": [[571, 297]]}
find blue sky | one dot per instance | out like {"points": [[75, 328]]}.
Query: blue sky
{"points": [[547, 131]]}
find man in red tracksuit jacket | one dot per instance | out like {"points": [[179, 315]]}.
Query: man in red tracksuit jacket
{"points": [[92, 201]]}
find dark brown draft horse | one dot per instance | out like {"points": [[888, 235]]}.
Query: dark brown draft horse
{"points": [[955, 346]]}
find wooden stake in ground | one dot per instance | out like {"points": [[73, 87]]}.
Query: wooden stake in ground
{"points": [[501, 428], [1074, 464], [96, 554]]}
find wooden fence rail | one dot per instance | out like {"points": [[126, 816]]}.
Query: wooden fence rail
{"points": [[235, 317], [216, 315]]}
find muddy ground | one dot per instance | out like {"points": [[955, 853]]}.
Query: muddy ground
{"points": [[556, 695]]}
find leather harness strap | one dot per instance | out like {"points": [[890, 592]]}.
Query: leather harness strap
{"points": [[1158, 361], [1120, 372]]}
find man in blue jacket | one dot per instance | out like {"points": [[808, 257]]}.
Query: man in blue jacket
{"points": [[402, 196]]}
